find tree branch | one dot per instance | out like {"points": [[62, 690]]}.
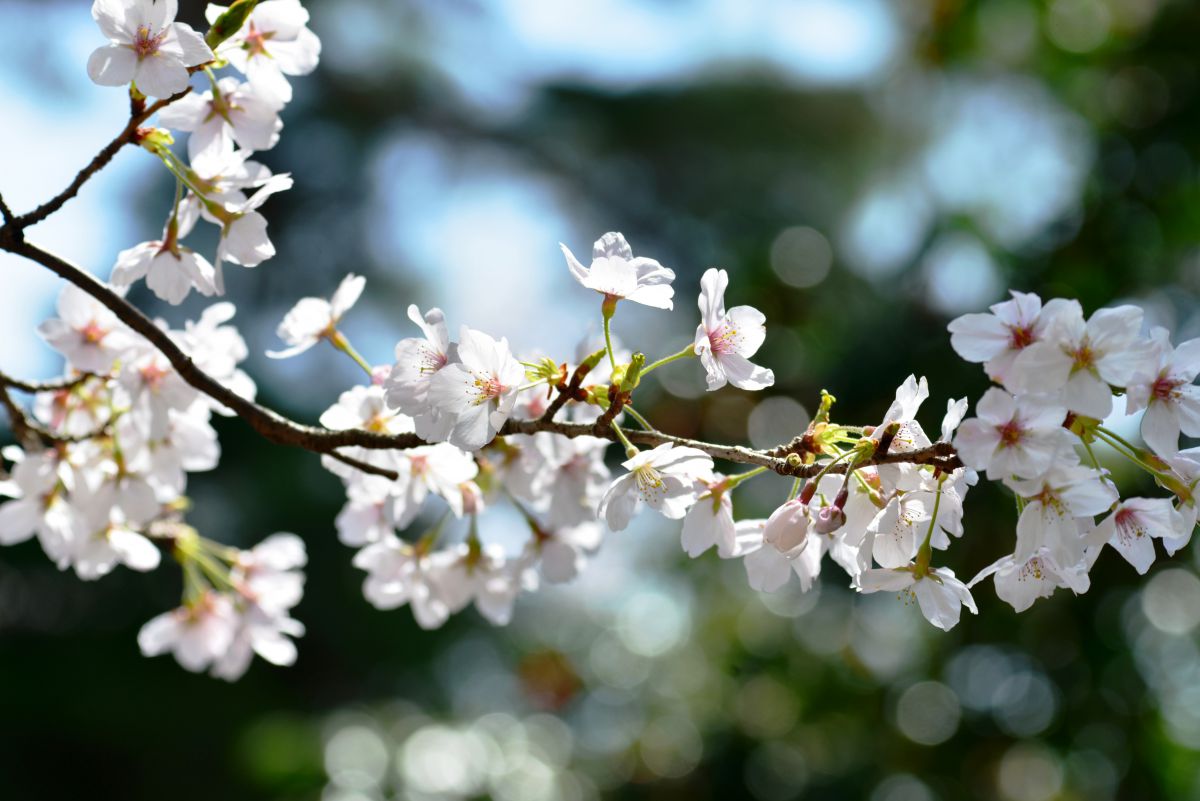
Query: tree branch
{"points": [[5, 211], [137, 116], [55, 385]]}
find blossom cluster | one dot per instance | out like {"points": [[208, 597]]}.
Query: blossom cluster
{"points": [[455, 423], [219, 182], [103, 481], [1059, 377]]}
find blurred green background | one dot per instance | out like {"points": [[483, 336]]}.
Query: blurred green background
{"points": [[866, 170]]}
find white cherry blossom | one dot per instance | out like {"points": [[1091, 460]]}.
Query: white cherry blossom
{"points": [[273, 43], [171, 270], [666, 478], [478, 392], [197, 635], [617, 275], [1020, 583], [232, 113], [1163, 387], [939, 594], [1078, 361], [417, 361], [1011, 436], [146, 46], [725, 341], [86, 332], [1134, 523], [709, 523], [314, 319], [1053, 502], [996, 339]]}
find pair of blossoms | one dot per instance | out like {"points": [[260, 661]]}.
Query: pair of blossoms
{"points": [[151, 52], [458, 397], [105, 484]]}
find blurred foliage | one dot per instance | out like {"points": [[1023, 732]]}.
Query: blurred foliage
{"points": [[674, 681]]}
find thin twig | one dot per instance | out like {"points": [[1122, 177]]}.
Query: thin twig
{"points": [[23, 429], [5, 211], [54, 385], [366, 467], [127, 136]]}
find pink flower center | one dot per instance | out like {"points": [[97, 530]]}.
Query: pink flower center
{"points": [[1010, 434], [487, 388], [1165, 389], [93, 333], [146, 43], [153, 376], [1020, 337], [256, 41], [1129, 527], [723, 340]]}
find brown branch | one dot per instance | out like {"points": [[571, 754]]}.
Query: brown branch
{"points": [[55, 385], [5, 211], [127, 136], [24, 430], [366, 467]]}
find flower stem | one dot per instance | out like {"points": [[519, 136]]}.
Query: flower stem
{"points": [[630, 450], [688, 351], [926, 550], [339, 341], [638, 417], [733, 481], [607, 311]]}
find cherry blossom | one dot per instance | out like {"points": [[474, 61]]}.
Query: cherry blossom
{"points": [[273, 43], [1054, 502], [1012, 437], [197, 635], [1020, 583], [171, 270], [147, 47], [478, 391], [231, 113], [314, 319], [1079, 361], [417, 361], [725, 340], [86, 332], [617, 275], [709, 523], [1134, 523], [665, 478], [996, 339], [1163, 387], [939, 594]]}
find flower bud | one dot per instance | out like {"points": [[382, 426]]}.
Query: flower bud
{"points": [[156, 140], [229, 23], [787, 528], [829, 519]]}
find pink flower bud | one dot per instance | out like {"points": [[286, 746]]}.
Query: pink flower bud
{"points": [[829, 519], [787, 528]]}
